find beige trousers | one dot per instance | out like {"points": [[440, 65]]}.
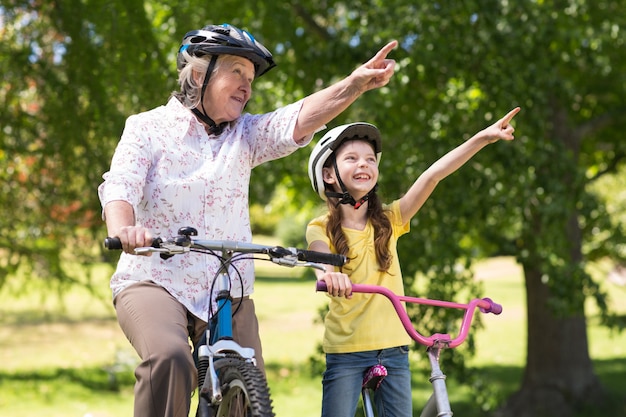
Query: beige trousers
{"points": [[160, 329]]}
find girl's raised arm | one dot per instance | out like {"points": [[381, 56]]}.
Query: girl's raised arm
{"points": [[425, 184]]}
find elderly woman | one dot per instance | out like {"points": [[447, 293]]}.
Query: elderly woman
{"points": [[188, 163]]}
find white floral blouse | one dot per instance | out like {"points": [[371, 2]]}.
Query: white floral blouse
{"points": [[174, 174]]}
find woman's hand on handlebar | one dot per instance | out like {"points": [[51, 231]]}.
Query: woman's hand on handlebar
{"points": [[338, 284], [134, 237]]}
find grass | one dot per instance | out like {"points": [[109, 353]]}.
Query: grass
{"points": [[70, 359]]}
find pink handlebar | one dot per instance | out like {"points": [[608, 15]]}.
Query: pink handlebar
{"points": [[485, 305]]}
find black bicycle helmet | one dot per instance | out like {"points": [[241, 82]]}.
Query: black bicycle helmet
{"points": [[226, 39], [217, 40]]}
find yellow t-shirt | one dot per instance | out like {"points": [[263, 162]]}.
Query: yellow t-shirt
{"points": [[366, 321]]}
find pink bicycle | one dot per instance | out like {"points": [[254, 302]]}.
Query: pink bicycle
{"points": [[438, 405]]}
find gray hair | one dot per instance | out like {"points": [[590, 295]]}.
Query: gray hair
{"points": [[190, 87]]}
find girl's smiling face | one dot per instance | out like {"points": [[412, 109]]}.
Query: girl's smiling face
{"points": [[357, 166]]}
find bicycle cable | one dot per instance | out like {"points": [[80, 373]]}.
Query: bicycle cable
{"points": [[225, 266]]}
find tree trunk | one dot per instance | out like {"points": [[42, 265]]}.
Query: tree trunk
{"points": [[559, 378]]}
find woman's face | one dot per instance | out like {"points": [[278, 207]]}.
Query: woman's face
{"points": [[229, 88], [358, 168]]}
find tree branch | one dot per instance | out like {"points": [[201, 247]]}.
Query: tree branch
{"points": [[310, 21]]}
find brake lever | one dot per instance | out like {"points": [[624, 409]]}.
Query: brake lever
{"points": [[165, 249], [293, 261], [147, 249], [290, 261]]}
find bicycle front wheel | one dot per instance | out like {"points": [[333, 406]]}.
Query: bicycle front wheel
{"points": [[244, 390]]}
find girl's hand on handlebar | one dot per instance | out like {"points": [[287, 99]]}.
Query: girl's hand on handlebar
{"points": [[134, 237], [338, 284]]}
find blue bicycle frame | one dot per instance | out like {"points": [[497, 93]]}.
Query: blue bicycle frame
{"points": [[220, 335]]}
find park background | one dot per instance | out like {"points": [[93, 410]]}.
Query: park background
{"points": [[550, 205]]}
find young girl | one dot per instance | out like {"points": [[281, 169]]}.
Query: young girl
{"points": [[362, 330]]}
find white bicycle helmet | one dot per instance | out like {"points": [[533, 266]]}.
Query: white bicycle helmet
{"points": [[226, 39], [331, 141]]}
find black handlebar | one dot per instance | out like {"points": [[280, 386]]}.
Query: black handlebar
{"points": [[322, 258], [113, 243], [277, 252]]}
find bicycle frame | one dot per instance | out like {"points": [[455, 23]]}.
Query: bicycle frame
{"points": [[438, 404], [219, 337], [227, 371]]}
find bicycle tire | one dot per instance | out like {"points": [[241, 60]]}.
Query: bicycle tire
{"points": [[245, 392]]}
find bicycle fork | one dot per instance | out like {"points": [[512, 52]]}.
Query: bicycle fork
{"points": [[220, 344]]}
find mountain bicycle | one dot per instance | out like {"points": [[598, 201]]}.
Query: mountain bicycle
{"points": [[229, 383], [438, 405]]}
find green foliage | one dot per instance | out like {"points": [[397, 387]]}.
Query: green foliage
{"points": [[94, 379], [74, 70], [281, 218], [263, 221]]}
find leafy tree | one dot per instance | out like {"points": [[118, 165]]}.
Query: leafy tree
{"points": [[462, 65], [73, 70]]}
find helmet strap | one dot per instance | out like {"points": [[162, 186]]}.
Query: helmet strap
{"points": [[344, 197], [214, 128]]}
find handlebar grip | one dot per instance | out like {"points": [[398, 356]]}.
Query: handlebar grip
{"points": [[321, 286], [113, 243], [493, 308], [323, 258]]}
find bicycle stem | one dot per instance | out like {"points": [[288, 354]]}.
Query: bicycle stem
{"points": [[438, 381]]}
